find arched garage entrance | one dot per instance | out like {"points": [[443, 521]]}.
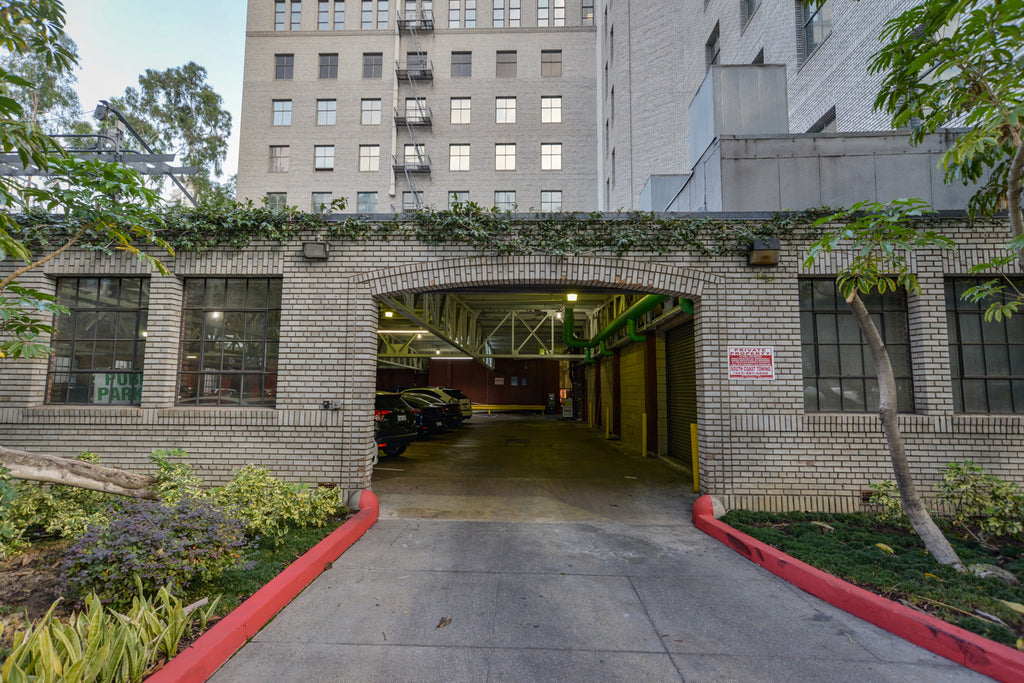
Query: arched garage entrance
{"points": [[561, 274]]}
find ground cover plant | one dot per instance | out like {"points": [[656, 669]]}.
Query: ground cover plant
{"points": [[880, 552], [150, 574]]}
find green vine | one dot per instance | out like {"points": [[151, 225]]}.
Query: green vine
{"points": [[491, 231]]}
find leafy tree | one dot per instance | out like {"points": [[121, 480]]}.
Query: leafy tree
{"points": [[96, 203], [959, 63], [877, 238], [177, 111], [49, 99]]}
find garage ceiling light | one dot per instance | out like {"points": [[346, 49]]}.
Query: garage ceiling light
{"points": [[389, 314], [417, 332], [571, 296]]}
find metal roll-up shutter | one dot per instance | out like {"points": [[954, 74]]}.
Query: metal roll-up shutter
{"points": [[681, 375]]}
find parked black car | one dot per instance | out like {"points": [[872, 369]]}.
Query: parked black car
{"points": [[430, 415], [393, 424]]}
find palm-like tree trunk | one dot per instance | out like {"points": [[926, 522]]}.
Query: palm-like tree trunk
{"points": [[913, 506]]}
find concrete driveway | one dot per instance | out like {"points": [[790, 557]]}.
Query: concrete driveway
{"points": [[525, 549]]}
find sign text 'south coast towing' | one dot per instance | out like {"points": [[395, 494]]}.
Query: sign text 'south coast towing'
{"points": [[751, 362]]}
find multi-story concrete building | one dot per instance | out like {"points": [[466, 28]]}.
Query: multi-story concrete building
{"points": [[400, 105]]}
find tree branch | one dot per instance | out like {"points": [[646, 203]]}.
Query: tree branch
{"points": [[85, 475], [24, 269]]}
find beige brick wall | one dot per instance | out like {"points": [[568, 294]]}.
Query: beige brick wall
{"points": [[757, 442]]}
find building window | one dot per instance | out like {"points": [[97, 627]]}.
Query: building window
{"points": [[284, 66], [322, 201], [328, 66], [282, 112], [551, 156], [826, 124], [587, 13], [373, 64], [416, 109], [279, 158], [366, 15], [986, 358], [230, 342], [371, 113], [551, 200], [551, 109], [296, 15], [505, 64], [412, 200], [323, 17], [713, 49], [339, 15], [460, 110], [498, 16], [382, 14], [558, 13], [457, 197], [839, 373], [505, 157], [551, 63], [470, 13], [458, 157], [515, 13], [505, 110], [326, 112], [369, 157], [505, 200], [462, 64], [100, 342], [816, 25], [415, 154], [323, 158], [543, 12], [276, 201], [454, 11], [747, 8], [366, 202], [280, 15]]}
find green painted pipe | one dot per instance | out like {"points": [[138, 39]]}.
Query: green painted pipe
{"points": [[631, 330], [628, 316]]}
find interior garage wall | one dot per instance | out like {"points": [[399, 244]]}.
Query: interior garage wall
{"points": [[391, 379], [512, 382]]}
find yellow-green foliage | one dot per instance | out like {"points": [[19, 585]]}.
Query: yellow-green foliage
{"points": [[99, 644], [270, 507], [66, 511]]}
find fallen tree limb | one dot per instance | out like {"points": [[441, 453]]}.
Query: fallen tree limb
{"points": [[85, 475]]}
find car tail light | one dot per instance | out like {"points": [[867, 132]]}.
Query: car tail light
{"points": [[378, 415]]}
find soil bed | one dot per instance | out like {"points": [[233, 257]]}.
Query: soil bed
{"points": [[847, 546]]}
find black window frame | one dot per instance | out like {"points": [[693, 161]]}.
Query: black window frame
{"points": [[549, 67], [463, 68], [328, 65], [118, 335], [832, 342], [211, 315], [373, 65], [998, 370]]}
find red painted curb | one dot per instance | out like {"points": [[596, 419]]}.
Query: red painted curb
{"points": [[952, 642], [203, 657]]}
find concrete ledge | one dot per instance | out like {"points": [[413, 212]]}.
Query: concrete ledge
{"points": [[959, 645], [203, 657]]}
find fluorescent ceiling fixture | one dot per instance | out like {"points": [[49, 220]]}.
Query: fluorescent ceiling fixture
{"points": [[389, 314], [452, 358], [402, 331], [570, 296]]}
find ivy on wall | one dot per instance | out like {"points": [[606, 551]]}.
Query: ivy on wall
{"points": [[491, 231]]}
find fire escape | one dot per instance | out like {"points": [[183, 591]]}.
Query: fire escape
{"points": [[417, 72]]}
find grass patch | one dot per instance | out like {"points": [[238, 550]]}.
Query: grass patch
{"points": [[909, 575], [235, 585]]}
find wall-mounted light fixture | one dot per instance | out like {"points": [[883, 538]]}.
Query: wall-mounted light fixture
{"points": [[763, 252], [389, 314], [571, 296], [315, 251]]}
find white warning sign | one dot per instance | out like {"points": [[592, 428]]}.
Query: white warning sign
{"points": [[751, 362]]}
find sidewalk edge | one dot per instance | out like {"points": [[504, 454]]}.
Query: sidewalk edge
{"points": [[946, 640], [203, 657]]}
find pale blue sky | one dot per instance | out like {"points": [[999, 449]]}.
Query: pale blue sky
{"points": [[119, 39]]}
